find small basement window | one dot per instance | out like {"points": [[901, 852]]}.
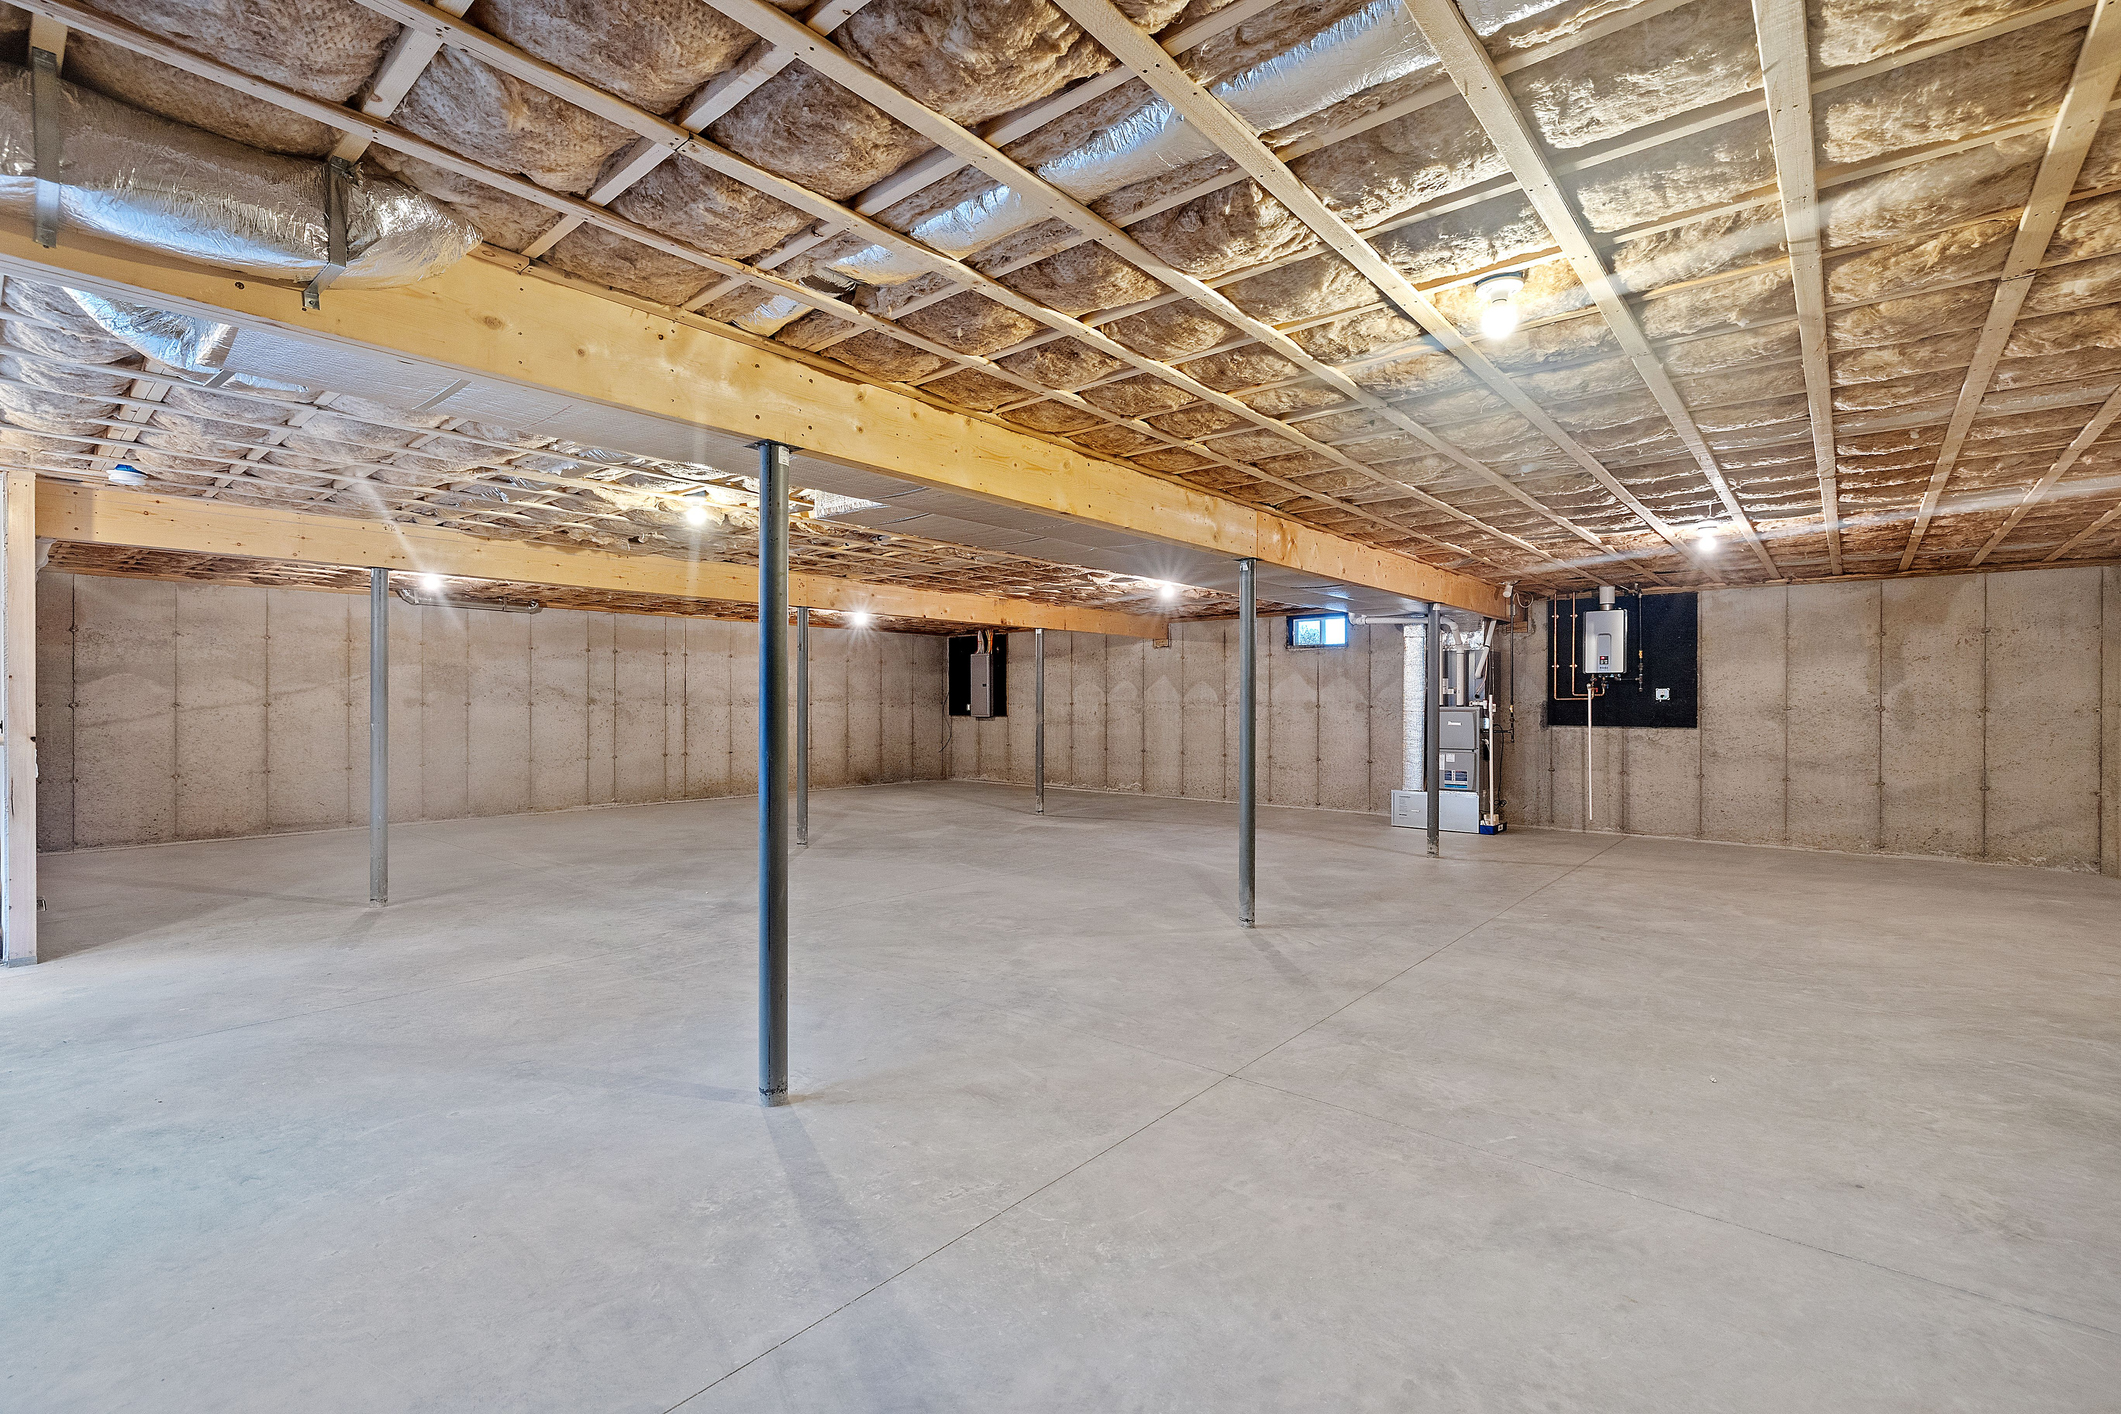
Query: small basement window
{"points": [[1318, 630]]}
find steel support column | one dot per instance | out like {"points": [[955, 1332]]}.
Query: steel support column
{"points": [[773, 773], [379, 736], [802, 726], [1038, 720], [1247, 712], [1432, 728]]}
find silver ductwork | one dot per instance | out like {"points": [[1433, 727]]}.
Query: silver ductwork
{"points": [[1376, 44], [172, 189]]}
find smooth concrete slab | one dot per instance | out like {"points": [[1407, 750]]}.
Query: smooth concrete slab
{"points": [[1560, 1121]]}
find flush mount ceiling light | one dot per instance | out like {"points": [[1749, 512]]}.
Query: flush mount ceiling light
{"points": [[695, 514], [122, 475], [1707, 534], [1498, 303]]}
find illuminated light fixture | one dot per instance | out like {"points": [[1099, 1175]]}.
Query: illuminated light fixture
{"points": [[695, 515], [1498, 303], [432, 583], [1707, 536], [858, 619], [1167, 592], [123, 475]]}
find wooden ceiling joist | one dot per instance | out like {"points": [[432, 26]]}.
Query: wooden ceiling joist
{"points": [[1395, 468], [1785, 66], [118, 32], [2091, 89], [488, 322], [797, 41], [1226, 132], [1468, 63]]}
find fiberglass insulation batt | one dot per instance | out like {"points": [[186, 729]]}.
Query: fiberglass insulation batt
{"points": [[1913, 247]]}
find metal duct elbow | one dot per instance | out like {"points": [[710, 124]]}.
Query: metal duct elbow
{"points": [[165, 187]]}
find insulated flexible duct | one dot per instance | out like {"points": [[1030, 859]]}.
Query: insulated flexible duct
{"points": [[1376, 44], [169, 188]]}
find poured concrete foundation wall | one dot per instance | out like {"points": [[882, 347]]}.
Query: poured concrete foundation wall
{"points": [[194, 711], [1122, 715], [1975, 716]]}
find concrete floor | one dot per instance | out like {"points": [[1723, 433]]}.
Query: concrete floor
{"points": [[1564, 1122]]}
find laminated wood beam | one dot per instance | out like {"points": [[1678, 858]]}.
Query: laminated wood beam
{"points": [[107, 515], [488, 322]]}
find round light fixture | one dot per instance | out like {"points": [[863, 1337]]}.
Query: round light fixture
{"points": [[858, 619], [432, 583], [695, 515], [1167, 592], [1498, 303], [122, 475], [1707, 535]]}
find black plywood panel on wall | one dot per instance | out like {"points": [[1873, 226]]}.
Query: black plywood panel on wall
{"points": [[1665, 640], [960, 678]]}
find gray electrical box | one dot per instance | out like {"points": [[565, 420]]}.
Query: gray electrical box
{"points": [[983, 684], [1605, 642]]}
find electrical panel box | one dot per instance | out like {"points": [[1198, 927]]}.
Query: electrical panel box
{"points": [[982, 684], [1605, 643], [1458, 729]]}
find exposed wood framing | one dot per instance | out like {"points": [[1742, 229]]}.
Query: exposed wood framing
{"points": [[488, 322], [799, 42], [2038, 491], [408, 58], [1466, 60], [1384, 508], [1785, 66], [103, 515], [531, 70], [2091, 88], [972, 150], [720, 94], [2081, 536], [1220, 127]]}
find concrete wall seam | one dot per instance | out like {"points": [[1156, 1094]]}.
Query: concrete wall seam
{"points": [[181, 711], [1964, 716]]}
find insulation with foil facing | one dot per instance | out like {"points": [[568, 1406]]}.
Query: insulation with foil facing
{"points": [[161, 186], [1923, 167]]}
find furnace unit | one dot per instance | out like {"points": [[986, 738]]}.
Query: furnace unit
{"points": [[1465, 743]]}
